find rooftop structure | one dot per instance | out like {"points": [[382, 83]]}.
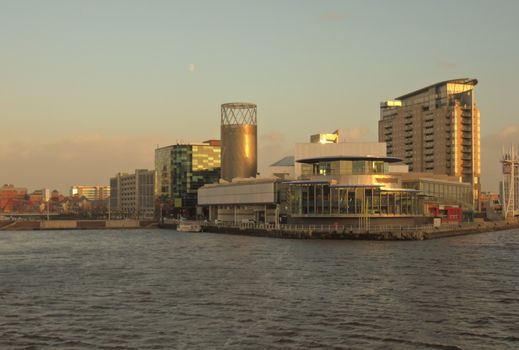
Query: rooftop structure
{"points": [[239, 140]]}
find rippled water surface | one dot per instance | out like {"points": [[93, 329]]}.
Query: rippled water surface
{"points": [[159, 289]]}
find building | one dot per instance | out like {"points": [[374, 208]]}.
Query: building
{"points": [[182, 169], [491, 206], [132, 195], [436, 129], [441, 194], [259, 200], [92, 193], [42, 195], [348, 183], [343, 183], [12, 199]]}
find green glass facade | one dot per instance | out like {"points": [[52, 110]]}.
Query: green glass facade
{"points": [[183, 169]]}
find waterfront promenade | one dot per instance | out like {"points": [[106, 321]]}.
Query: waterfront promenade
{"points": [[394, 232], [387, 232]]}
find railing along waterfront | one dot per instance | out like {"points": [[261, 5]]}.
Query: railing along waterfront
{"points": [[347, 228]]}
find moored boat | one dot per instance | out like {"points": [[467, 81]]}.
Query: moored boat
{"points": [[189, 226]]}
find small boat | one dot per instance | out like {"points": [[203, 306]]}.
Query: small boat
{"points": [[189, 226]]}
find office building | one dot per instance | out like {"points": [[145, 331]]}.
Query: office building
{"points": [[92, 193], [436, 129], [132, 195], [182, 169]]}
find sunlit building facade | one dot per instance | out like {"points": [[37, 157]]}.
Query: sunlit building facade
{"points": [[348, 187], [344, 182], [436, 129], [92, 193], [182, 169]]}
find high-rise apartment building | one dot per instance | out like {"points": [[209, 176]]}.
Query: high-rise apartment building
{"points": [[182, 169], [132, 195], [92, 193], [436, 129]]}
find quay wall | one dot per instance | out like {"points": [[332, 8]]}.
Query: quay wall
{"points": [[374, 233], [73, 225]]}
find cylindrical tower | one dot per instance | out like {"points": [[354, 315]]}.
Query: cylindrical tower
{"points": [[239, 140]]}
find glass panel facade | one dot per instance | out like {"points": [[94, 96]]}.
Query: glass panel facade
{"points": [[344, 167], [444, 192], [193, 166], [323, 200], [182, 169]]}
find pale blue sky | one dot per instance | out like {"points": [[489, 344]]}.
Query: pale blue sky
{"points": [[97, 84]]}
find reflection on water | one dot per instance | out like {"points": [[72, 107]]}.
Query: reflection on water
{"points": [[153, 289]]}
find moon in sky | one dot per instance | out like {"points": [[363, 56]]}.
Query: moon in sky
{"points": [[191, 67]]}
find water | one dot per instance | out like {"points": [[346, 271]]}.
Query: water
{"points": [[158, 289]]}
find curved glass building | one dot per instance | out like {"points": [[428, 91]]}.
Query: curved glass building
{"points": [[350, 187]]}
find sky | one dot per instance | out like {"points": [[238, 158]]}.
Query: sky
{"points": [[90, 88]]}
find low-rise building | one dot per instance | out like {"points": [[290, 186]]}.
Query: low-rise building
{"points": [[12, 199], [259, 200]]}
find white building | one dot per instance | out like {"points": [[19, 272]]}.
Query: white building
{"points": [[253, 199], [132, 195]]}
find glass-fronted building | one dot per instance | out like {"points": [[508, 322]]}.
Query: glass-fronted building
{"points": [[350, 187], [182, 169], [438, 192]]}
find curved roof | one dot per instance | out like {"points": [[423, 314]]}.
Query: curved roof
{"points": [[336, 158], [457, 81]]}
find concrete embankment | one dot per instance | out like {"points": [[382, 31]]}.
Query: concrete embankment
{"points": [[417, 233], [74, 225]]}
